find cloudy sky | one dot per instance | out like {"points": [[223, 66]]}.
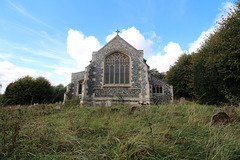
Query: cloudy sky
{"points": [[53, 38]]}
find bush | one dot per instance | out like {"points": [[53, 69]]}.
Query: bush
{"points": [[28, 90], [180, 76], [212, 74], [59, 91], [2, 100]]}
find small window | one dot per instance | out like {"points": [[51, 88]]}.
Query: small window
{"points": [[157, 89]]}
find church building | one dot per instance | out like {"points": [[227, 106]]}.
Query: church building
{"points": [[118, 73]]}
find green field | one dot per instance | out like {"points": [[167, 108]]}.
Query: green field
{"points": [[167, 131]]}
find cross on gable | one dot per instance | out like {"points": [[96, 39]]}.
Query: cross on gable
{"points": [[117, 31]]}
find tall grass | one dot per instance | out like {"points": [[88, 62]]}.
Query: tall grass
{"points": [[168, 131]]}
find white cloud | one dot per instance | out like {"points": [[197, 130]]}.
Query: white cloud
{"points": [[10, 73], [136, 39], [5, 56], [193, 47], [163, 61], [80, 47], [226, 6], [66, 73], [46, 75], [27, 60]]}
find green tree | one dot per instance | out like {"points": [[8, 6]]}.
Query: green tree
{"points": [[180, 76], [28, 90], [20, 91], [157, 74], [217, 64], [43, 91], [59, 91]]}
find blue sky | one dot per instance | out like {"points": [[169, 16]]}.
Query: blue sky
{"points": [[53, 38]]}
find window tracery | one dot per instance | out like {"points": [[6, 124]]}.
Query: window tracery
{"points": [[117, 69]]}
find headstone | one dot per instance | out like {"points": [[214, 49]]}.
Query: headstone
{"points": [[216, 110], [58, 107], [135, 108], [108, 103], [115, 109], [182, 100], [220, 118]]}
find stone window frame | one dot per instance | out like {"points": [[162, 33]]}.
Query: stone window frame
{"points": [[80, 86], [157, 89], [114, 84]]}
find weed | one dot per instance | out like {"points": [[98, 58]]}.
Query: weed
{"points": [[167, 131]]}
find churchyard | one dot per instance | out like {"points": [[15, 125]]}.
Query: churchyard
{"points": [[70, 131]]}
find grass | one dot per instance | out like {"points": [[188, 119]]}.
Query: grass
{"points": [[167, 131]]}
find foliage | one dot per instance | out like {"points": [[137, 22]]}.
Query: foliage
{"points": [[43, 91], [2, 100], [217, 65], [28, 90], [180, 76], [157, 74], [168, 131], [212, 74], [59, 91]]}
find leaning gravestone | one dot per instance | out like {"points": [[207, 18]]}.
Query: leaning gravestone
{"points": [[135, 108], [225, 115], [220, 118]]}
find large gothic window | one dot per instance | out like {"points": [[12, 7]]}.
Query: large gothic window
{"points": [[117, 69]]}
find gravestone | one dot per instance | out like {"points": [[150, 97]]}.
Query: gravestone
{"points": [[108, 103], [221, 118]]}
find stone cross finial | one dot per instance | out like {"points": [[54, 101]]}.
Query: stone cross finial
{"points": [[117, 31]]}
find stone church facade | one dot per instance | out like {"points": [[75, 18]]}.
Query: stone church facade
{"points": [[118, 73]]}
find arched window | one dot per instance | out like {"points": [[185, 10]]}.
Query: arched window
{"points": [[117, 69]]}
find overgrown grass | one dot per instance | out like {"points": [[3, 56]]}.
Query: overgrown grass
{"points": [[168, 131]]}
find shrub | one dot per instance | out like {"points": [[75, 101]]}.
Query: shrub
{"points": [[59, 91], [28, 90]]}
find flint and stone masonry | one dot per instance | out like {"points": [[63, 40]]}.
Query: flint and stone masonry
{"points": [[118, 73]]}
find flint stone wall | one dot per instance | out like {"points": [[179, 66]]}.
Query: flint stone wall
{"points": [[138, 91], [117, 91], [76, 77], [166, 96], [94, 84], [72, 88]]}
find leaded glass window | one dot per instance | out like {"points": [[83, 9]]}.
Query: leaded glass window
{"points": [[117, 69], [157, 89]]}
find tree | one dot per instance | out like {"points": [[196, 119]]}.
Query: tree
{"points": [[59, 91], [28, 90], [216, 65], [20, 91], [180, 76], [43, 92], [157, 74]]}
